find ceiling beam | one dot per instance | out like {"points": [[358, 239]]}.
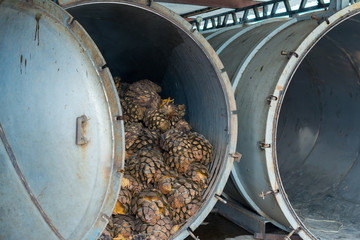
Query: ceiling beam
{"points": [[215, 3]]}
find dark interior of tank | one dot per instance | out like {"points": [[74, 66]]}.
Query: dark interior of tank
{"points": [[150, 46], [318, 136]]}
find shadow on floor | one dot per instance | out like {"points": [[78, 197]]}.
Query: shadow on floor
{"points": [[215, 227]]}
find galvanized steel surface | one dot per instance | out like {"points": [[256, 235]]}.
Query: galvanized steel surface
{"points": [[52, 187], [250, 175], [160, 45], [261, 61]]}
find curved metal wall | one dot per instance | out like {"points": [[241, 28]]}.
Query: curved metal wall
{"points": [[61, 171], [149, 41], [263, 60], [61, 144]]}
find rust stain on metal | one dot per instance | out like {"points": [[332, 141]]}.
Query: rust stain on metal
{"points": [[320, 20], [83, 150], [21, 60], [313, 16], [279, 88], [25, 63], [84, 131], [276, 185], [37, 30]]}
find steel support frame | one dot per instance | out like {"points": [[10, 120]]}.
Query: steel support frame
{"points": [[249, 221], [214, 3], [260, 12]]}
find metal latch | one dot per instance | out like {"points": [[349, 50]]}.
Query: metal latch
{"points": [[289, 54], [221, 199], [81, 123], [263, 145], [237, 156], [264, 194]]}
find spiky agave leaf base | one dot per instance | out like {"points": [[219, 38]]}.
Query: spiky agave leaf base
{"points": [[166, 167]]}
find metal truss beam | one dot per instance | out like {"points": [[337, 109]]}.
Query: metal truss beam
{"points": [[201, 11], [214, 3], [260, 11]]}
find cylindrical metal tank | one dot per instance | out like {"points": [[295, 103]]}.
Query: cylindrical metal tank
{"points": [[138, 39], [297, 89], [149, 41], [62, 143]]}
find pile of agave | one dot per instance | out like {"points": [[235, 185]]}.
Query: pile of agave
{"points": [[166, 168]]}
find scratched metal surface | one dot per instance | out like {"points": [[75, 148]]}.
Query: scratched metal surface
{"points": [[297, 94], [52, 188], [256, 64], [318, 135], [159, 45]]}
